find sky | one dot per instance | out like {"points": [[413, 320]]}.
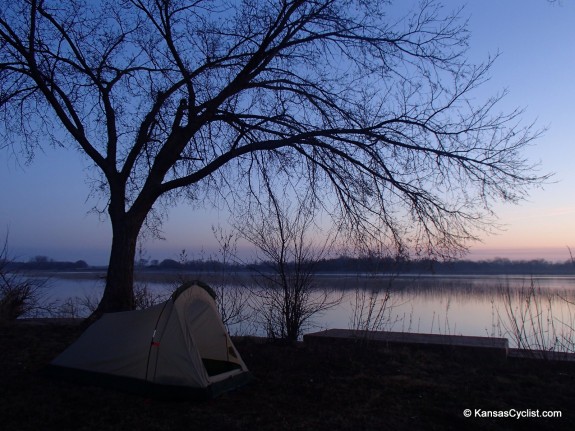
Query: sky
{"points": [[46, 207]]}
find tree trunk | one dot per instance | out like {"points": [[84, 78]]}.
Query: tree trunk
{"points": [[119, 290]]}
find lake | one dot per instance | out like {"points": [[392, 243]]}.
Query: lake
{"points": [[536, 312]]}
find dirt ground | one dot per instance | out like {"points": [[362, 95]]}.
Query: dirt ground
{"points": [[295, 387]]}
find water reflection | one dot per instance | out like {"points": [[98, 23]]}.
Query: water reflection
{"points": [[459, 305], [530, 312]]}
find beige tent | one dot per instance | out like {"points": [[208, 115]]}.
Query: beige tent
{"points": [[180, 347]]}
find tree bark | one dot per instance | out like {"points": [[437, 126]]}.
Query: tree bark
{"points": [[118, 293]]}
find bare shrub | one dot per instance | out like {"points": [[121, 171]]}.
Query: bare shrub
{"points": [[232, 297], [20, 296], [286, 297], [538, 321], [83, 306], [72, 308], [145, 297], [372, 307]]}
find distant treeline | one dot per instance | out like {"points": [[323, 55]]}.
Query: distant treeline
{"points": [[345, 264], [43, 263], [494, 266], [341, 264]]}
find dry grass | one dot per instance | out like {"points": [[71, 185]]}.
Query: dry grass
{"points": [[296, 387]]}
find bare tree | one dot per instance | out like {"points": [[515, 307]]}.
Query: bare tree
{"points": [[173, 99], [287, 297]]}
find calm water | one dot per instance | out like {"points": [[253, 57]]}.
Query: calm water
{"points": [[460, 305]]}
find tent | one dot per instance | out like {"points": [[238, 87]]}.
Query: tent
{"points": [[177, 348]]}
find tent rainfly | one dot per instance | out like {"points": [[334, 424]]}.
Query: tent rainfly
{"points": [[177, 348]]}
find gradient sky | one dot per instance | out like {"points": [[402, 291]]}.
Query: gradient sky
{"points": [[46, 206]]}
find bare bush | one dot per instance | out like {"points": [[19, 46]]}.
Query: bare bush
{"points": [[20, 296], [73, 308], [372, 307], [287, 296], [145, 297], [536, 321], [83, 306], [371, 310], [232, 298]]}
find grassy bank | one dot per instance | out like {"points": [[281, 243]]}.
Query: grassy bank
{"points": [[295, 387]]}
